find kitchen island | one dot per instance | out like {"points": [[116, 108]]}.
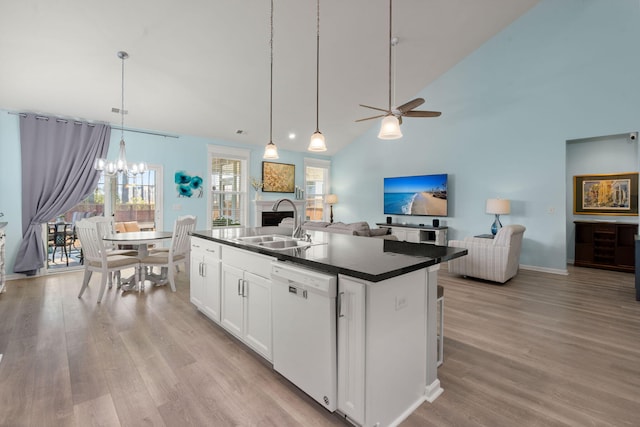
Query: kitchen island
{"points": [[386, 309]]}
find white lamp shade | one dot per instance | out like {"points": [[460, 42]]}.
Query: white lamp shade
{"points": [[271, 151], [317, 142], [498, 206], [332, 199], [390, 128]]}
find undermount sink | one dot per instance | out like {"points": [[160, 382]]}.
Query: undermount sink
{"points": [[275, 242], [262, 239]]}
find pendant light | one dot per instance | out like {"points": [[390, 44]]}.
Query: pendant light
{"points": [[390, 127], [271, 150], [120, 165], [317, 139]]}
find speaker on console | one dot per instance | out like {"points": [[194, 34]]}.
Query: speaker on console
{"points": [[388, 220], [436, 223]]}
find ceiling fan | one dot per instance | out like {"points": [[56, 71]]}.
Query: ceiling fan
{"points": [[406, 109]]}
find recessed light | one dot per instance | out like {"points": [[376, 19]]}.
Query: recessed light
{"points": [[292, 135]]}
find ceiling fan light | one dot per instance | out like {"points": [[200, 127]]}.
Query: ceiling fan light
{"points": [[271, 151], [317, 142], [390, 128]]}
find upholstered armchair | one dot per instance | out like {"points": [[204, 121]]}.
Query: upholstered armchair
{"points": [[494, 259]]}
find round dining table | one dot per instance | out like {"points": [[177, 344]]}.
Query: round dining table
{"points": [[141, 239]]}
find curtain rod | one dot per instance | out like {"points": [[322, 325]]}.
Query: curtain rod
{"points": [[59, 119]]}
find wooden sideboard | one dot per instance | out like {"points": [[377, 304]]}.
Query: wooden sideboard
{"points": [[607, 245]]}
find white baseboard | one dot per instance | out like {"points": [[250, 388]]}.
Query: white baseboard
{"points": [[562, 272], [432, 391]]}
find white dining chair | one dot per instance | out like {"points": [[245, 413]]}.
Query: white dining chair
{"points": [[106, 227], [96, 256], [178, 252]]}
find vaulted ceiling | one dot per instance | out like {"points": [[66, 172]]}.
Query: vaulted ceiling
{"points": [[201, 67]]}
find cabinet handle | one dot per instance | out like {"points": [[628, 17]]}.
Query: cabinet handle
{"points": [[340, 296], [239, 293], [211, 250], [195, 246], [199, 269], [204, 270], [244, 287]]}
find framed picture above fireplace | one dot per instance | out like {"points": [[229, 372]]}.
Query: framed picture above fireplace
{"points": [[278, 177]]}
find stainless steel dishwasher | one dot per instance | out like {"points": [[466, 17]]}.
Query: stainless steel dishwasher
{"points": [[304, 330]]}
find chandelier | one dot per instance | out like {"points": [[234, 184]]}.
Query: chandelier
{"points": [[120, 165]]}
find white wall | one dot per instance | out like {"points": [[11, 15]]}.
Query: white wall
{"points": [[565, 70]]}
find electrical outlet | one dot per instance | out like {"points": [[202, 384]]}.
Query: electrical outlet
{"points": [[401, 302]]}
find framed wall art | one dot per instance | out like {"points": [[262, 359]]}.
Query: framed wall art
{"points": [[606, 194], [278, 177], [188, 184]]}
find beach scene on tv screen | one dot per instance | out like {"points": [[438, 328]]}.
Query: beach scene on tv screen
{"points": [[416, 195]]}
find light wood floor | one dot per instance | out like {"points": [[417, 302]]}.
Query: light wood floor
{"points": [[543, 350]]}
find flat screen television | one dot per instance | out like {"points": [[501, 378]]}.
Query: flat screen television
{"points": [[416, 195]]}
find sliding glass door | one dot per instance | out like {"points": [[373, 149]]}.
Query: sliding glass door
{"points": [[134, 200]]}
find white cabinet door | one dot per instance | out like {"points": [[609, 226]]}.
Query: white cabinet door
{"points": [[351, 348], [257, 325], [205, 277], [232, 301], [210, 271], [196, 282], [413, 236], [399, 233]]}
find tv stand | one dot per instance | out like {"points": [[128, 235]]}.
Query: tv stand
{"points": [[418, 233]]}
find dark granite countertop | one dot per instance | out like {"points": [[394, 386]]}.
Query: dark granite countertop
{"points": [[365, 258]]}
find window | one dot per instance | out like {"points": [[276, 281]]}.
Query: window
{"points": [[135, 198], [128, 198], [228, 203], [316, 184]]}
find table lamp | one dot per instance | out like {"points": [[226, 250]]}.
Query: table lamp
{"points": [[331, 200], [498, 207]]}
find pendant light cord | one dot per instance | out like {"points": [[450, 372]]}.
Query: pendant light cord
{"points": [[389, 41], [123, 57], [318, 66], [271, 82]]}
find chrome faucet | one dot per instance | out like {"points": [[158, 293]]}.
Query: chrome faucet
{"points": [[297, 229]]}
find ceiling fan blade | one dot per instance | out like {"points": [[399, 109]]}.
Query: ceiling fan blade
{"points": [[410, 105], [369, 118], [374, 108], [422, 114]]}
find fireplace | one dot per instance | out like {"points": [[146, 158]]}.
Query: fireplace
{"points": [[284, 211], [274, 218]]}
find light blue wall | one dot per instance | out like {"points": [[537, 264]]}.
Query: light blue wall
{"points": [[185, 153], [565, 70]]}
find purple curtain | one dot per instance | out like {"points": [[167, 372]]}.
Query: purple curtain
{"points": [[57, 174]]}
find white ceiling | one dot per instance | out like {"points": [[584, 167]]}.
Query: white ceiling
{"points": [[201, 67]]}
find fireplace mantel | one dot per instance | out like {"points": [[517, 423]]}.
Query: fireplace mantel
{"points": [[267, 205]]}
